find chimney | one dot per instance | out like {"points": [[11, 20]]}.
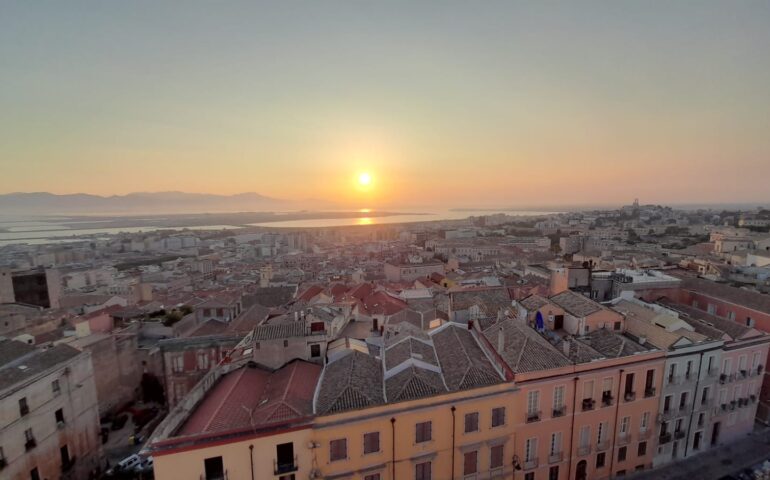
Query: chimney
{"points": [[566, 344], [500, 340]]}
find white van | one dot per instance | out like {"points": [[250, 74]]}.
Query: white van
{"points": [[128, 463]]}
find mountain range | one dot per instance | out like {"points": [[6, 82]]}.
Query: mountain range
{"points": [[45, 203]]}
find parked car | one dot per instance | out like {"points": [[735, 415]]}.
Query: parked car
{"points": [[127, 464], [145, 466]]}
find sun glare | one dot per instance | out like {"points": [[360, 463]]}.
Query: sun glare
{"points": [[365, 178]]}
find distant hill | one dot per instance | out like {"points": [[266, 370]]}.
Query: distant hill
{"points": [[44, 203]]}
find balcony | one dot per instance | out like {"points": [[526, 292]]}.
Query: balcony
{"points": [[624, 439], [722, 378], [731, 405], [530, 464], [584, 450], [679, 434], [588, 404], [30, 444], [607, 399], [664, 438], [603, 445], [559, 412], [760, 369], [284, 467], [673, 380], [555, 457], [629, 396], [644, 435], [533, 417], [744, 373], [649, 392]]}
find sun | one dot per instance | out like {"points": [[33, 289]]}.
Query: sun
{"points": [[365, 179]]}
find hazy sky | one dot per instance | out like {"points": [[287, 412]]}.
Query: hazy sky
{"points": [[454, 103]]}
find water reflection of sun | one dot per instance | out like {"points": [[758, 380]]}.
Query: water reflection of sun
{"points": [[365, 221]]}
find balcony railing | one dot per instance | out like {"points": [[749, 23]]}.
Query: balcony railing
{"points": [[644, 434], [588, 404], [624, 439], [584, 450], [603, 445], [664, 438], [679, 434], [744, 373], [530, 464], [533, 417], [280, 468], [722, 378], [607, 399], [649, 392], [559, 412], [629, 396], [555, 457], [224, 476]]}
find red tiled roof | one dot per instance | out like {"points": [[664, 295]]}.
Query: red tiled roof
{"points": [[380, 303], [255, 396], [310, 292]]}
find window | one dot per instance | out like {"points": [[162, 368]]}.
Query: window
{"points": [[422, 471], [498, 416], [496, 456], [672, 373], [588, 389], [472, 422], [373, 476], [530, 450], [601, 433], [284, 458], [55, 387], [629, 385], [755, 361], [59, 415], [285, 343], [682, 400], [338, 449], [533, 402], [704, 396], [731, 316], [749, 322], [600, 458], [529, 476], [215, 468], [558, 397], [641, 450], [177, 363], [23, 407], [624, 424], [727, 366], [644, 424], [616, 326], [203, 361], [206, 312], [688, 369], [667, 403], [470, 462], [29, 439], [555, 443], [585, 435], [372, 442], [422, 432], [622, 451], [315, 352], [553, 473], [34, 474]]}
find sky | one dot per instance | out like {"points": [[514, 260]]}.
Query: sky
{"points": [[450, 103]]}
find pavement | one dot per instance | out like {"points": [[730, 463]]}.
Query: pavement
{"points": [[715, 463]]}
